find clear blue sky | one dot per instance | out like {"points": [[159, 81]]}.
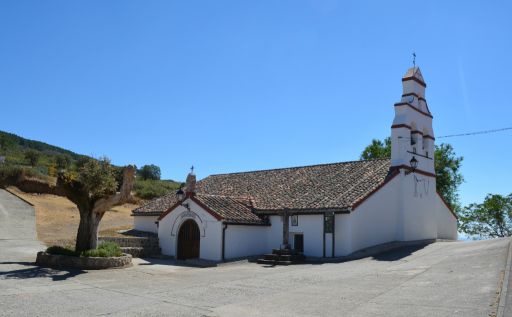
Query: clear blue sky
{"points": [[243, 85]]}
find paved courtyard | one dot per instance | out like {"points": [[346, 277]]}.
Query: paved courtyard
{"points": [[441, 279]]}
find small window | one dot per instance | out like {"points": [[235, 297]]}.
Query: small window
{"points": [[295, 220], [414, 139]]}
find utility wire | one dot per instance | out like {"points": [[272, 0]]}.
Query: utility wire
{"points": [[473, 133]]}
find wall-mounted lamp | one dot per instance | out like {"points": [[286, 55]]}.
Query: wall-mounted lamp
{"points": [[414, 164], [180, 194]]}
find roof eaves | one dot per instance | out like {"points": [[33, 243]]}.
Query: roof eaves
{"points": [[338, 210]]}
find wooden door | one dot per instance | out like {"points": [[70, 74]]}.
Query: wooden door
{"points": [[188, 240]]}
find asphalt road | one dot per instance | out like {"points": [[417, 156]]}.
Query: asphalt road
{"points": [[441, 279]]}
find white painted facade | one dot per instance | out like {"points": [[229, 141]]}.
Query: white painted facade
{"points": [[146, 223], [210, 230], [405, 208], [239, 239]]}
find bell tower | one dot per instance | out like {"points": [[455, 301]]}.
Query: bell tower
{"points": [[411, 133]]}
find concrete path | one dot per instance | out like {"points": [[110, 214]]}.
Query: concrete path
{"points": [[18, 238], [442, 279]]}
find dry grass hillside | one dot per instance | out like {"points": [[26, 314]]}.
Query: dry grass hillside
{"points": [[57, 218]]}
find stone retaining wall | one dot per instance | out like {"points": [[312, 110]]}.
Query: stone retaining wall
{"points": [[86, 263], [131, 241], [136, 246]]}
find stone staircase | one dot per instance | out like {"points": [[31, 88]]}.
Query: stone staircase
{"points": [[138, 247], [282, 257]]}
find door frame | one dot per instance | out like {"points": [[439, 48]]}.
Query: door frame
{"points": [[178, 237]]}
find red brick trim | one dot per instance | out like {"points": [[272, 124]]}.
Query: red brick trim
{"points": [[416, 80], [387, 180], [396, 126], [173, 207], [400, 104], [416, 132], [421, 172], [447, 205], [415, 95]]}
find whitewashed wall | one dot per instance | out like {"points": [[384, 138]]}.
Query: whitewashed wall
{"points": [[210, 247], [275, 233], [311, 226], [446, 221], [145, 223], [373, 222], [419, 207], [243, 241], [343, 235]]}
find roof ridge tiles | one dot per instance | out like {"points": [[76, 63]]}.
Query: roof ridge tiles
{"points": [[299, 167]]}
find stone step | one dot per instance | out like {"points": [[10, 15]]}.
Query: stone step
{"points": [[285, 251], [140, 251], [284, 257], [271, 262]]}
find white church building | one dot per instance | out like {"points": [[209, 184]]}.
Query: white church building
{"points": [[326, 210]]}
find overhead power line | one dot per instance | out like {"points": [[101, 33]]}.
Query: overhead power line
{"points": [[474, 133]]}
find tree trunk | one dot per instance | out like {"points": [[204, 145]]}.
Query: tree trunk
{"points": [[87, 236]]}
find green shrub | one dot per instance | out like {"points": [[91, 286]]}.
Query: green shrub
{"points": [[55, 249], [149, 189], [12, 173], [105, 249]]}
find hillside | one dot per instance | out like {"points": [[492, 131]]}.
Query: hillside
{"points": [[14, 149], [57, 218], [43, 161]]}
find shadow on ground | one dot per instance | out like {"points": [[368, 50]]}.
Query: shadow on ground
{"points": [[398, 254], [184, 263], [36, 271], [395, 254]]}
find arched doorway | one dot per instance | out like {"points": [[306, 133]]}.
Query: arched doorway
{"points": [[188, 240]]}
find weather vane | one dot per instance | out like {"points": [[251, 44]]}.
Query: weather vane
{"points": [[414, 59], [192, 169]]}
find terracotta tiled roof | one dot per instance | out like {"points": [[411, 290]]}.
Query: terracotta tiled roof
{"points": [[315, 188], [157, 206], [229, 209]]}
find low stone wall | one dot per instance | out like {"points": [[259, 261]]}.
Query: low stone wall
{"points": [[86, 263], [131, 241]]}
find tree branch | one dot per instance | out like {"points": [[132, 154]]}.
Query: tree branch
{"points": [[124, 196]]}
